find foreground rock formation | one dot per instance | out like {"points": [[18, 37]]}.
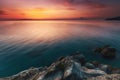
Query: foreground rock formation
{"points": [[73, 67]]}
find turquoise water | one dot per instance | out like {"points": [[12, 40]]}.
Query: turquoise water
{"points": [[25, 44]]}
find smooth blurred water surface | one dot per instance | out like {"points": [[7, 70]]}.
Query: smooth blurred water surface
{"points": [[25, 44]]}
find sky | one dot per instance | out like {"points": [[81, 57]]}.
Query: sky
{"points": [[58, 9]]}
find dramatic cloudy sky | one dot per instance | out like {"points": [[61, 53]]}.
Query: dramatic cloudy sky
{"points": [[49, 9]]}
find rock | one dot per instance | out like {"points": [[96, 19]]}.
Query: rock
{"points": [[68, 69], [94, 72], [109, 70], [25, 75], [109, 52], [115, 71], [79, 58], [106, 46], [106, 77], [61, 66], [89, 66], [59, 59], [97, 50], [53, 75], [95, 63], [104, 67], [76, 72]]}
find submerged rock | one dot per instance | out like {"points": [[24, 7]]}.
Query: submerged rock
{"points": [[109, 52], [106, 52], [97, 50]]}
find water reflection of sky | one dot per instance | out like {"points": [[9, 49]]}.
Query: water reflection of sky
{"points": [[36, 43], [45, 30]]}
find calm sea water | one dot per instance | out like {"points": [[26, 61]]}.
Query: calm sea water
{"points": [[25, 44]]}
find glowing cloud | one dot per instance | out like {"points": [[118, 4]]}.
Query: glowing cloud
{"points": [[58, 9]]}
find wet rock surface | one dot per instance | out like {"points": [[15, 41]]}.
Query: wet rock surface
{"points": [[106, 77]]}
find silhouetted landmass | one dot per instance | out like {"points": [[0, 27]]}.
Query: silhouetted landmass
{"points": [[10, 19], [114, 18]]}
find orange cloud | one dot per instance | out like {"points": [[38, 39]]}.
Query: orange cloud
{"points": [[8, 13], [48, 13]]}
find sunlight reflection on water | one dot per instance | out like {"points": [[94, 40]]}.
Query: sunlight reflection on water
{"points": [[38, 43]]}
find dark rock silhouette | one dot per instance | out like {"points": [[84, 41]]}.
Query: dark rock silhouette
{"points": [[106, 52], [114, 18]]}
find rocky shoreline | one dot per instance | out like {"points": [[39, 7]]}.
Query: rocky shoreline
{"points": [[73, 67]]}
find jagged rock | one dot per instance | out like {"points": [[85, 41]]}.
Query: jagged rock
{"points": [[72, 72], [78, 57], [24, 75]]}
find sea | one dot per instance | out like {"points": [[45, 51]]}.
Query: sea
{"points": [[25, 44]]}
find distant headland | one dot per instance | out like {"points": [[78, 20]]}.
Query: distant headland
{"points": [[114, 18]]}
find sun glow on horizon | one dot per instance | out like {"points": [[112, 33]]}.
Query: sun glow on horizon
{"points": [[48, 13], [36, 14]]}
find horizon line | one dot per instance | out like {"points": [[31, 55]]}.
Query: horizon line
{"points": [[24, 19]]}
